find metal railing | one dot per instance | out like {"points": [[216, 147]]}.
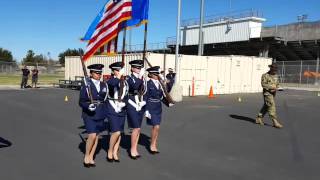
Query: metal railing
{"points": [[223, 17], [139, 47]]}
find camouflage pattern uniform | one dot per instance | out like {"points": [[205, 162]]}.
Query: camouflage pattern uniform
{"points": [[269, 84]]}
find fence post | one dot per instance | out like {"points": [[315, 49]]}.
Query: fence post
{"points": [[317, 68], [282, 71], [300, 72], [308, 76]]}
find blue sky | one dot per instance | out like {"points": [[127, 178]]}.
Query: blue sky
{"points": [[55, 25]]}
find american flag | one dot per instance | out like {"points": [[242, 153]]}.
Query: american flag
{"points": [[110, 48], [116, 11]]}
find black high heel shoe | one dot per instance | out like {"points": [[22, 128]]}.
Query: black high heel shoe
{"points": [[109, 160], [153, 152], [86, 165], [133, 157], [92, 165]]}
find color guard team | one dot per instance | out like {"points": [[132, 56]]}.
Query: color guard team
{"points": [[132, 97]]}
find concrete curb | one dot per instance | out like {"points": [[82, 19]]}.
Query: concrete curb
{"points": [[303, 88], [17, 87]]}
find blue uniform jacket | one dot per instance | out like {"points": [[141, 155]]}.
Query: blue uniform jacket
{"points": [[84, 101], [154, 98], [134, 86], [114, 85]]}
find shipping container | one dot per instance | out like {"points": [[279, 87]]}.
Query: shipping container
{"points": [[226, 74]]}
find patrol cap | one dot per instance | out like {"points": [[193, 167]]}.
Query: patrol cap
{"points": [[96, 68], [116, 66], [154, 70], [273, 66], [136, 63]]}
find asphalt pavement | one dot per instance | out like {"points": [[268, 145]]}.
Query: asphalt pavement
{"points": [[41, 137]]}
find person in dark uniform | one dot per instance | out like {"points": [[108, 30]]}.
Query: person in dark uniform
{"points": [[25, 76], [136, 104], [116, 111], [154, 98], [170, 79], [93, 113], [35, 73]]}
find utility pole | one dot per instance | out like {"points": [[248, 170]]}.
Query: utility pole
{"points": [[178, 42], [200, 46]]}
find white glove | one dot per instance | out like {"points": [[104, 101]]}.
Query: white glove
{"points": [[140, 105], [171, 104], [92, 107], [121, 72], [121, 105], [148, 115], [142, 72]]}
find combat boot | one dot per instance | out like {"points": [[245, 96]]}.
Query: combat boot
{"points": [[276, 124], [259, 121]]}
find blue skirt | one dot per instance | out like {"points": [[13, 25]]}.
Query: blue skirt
{"points": [[155, 120], [94, 126], [116, 123], [134, 117]]}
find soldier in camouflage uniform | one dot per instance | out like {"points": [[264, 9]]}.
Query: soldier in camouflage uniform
{"points": [[270, 83]]}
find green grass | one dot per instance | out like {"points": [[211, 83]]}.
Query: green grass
{"points": [[43, 79]]}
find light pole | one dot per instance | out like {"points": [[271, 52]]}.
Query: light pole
{"points": [[301, 19], [200, 46], [178, 42], [176, 91]]}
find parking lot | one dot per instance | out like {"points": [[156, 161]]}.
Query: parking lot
{"points": [[42, 136]]}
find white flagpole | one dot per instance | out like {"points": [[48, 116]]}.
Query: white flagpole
{"points": [[176, 91]]}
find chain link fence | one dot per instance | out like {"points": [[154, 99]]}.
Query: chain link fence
{"points": [[43, 68], [48, 73], [299, 73]]}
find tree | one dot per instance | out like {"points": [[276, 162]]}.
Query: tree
{"points": [[29, 57], [69, 52], [6, 55], [33, 59]]}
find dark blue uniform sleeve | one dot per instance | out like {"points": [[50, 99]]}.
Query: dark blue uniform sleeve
{"points": [[84, 100], [113, 82], [134, 85]]}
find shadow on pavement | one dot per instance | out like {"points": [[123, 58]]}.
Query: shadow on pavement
{"points": [[4, 143], [242, 118]]}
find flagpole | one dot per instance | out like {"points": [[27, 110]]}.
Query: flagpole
{"points": [[123, 62], [124, 45], [145, 42], [85, 80]]}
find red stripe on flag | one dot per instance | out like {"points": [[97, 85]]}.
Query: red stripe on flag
{"points": [[126, 14], [100, 42], [105, 38], [127, 4]]}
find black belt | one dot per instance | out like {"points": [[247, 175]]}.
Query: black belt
{"points": [[133, 94], [96, 102]]}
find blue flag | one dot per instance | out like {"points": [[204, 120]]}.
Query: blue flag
{"points": [[140, 11], [93, 25]]}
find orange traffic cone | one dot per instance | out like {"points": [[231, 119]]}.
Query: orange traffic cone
{"points": [[211, 95]]}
